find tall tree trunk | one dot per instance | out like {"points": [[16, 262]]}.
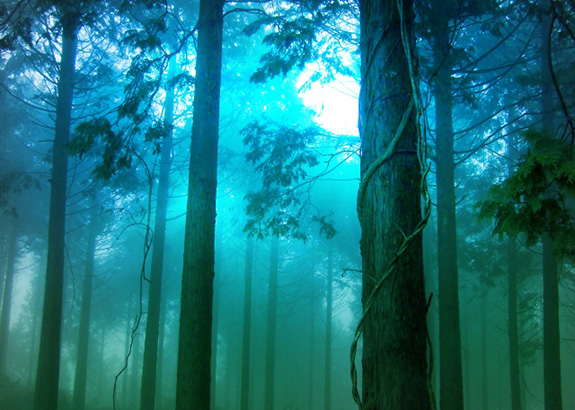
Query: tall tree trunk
{"points": [[194, 354], [389, 208], [271, 325], [328, 328], [128, 372], [148, 387], [160, 362], [484, 356], [216, 320], [450, 366], [551, 340], [513, 328], [7, 299], [46, 392], [311, 364], [80, 376], [247, 325]]}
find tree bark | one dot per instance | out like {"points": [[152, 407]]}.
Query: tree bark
{"points": [[194, 354], [551, 339], [46, 392], [148, 388], [328, 328], [81, 373], [389, 207], [450, 361], [271, 325], [7, 298], [513, 327], [247, 324]]}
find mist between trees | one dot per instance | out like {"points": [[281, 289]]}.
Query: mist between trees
{"points": [[287, 205]]}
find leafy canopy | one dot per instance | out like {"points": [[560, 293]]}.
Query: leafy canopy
{"points": [[539, 197]]}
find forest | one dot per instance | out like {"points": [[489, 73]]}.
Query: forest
{"points": [[287, 204]]}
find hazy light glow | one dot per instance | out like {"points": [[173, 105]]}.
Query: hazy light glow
{"points": [[335, 104]]}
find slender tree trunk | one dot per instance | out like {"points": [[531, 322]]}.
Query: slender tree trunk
{"points": [[194, 354], [160, 363], [328, 328], [127, 373], [551, 339], [46, 393], [394, 339], [513, 328], [247, 324], [216, 321], [450, 362], [80, 376], [3, 263], [484, 372], [7, 299], [148, 388], [311, 362], [271, 325]]}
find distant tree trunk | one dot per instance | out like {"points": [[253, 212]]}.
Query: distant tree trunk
{"points": [[46, 393], [135, 376], [513, 328], [3, 263], [194, 354], [127, 373], [389, 206], [148, 387], [271, 325], [311, 364], [247, 325], [216, 320], [551, 339], [450, 362], [7, 298], [484, 373], [80, 376], [36, 306], [328, 328], [160, 363]]}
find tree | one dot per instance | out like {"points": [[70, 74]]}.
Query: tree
{"points": [[46, 394], [194, 353], [247, 322], [271, 324], [79, 397], [389, 208], [148, 387], [6, 301]]}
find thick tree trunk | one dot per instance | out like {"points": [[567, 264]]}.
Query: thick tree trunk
{"points": [[328, 328], [81, 373], [450, 365], [194, 354], [46, 393], [247, 325], [271, 325], [389, 207], [7, 299], [148, 387]]}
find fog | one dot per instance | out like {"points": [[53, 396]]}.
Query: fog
{"points": [[92, 283]]}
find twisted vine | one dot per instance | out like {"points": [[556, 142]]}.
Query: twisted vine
{"points": [[414, 103]]}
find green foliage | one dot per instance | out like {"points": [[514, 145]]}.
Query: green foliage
{"points": [[538, 197], [98, 133], [12, 183], [282, 155], [304, 32]]}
